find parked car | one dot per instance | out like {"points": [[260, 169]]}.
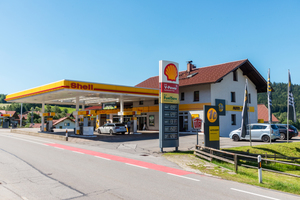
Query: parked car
{"points": [[112, 128], [259, 131], [293, 132]]}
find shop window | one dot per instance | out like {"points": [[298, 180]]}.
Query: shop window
{"points": [[156, 101], [249, 98], [151, 120], [141, 103], [232, 96], [233, 119], [235, 76], [182, 96], [196, 96]]}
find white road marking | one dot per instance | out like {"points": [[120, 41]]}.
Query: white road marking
{"points": [[59, 148], [254, 194], [78, 152], [136, 166], [184, 177], [32, 138], [102, 158], [24, 198], [22, 139]]}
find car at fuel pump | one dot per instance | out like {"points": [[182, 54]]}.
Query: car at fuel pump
{"points": [[112, 128]]}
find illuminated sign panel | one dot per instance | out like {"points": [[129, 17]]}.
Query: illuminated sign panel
{"points": [[168, 72]]}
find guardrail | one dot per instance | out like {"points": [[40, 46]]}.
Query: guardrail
{"points": [[208, 153]]}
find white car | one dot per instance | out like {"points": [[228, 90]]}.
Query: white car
{"points": [[112, 128], [259, 131]]}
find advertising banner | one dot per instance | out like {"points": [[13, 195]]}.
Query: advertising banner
{"points": [[170, 98], [169, 88]]}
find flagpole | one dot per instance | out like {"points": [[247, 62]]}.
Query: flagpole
{"points": [[269, 106], [288, 107], [248, 113]]}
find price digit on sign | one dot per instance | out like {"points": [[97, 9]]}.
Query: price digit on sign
{"points": [[212, 115]]}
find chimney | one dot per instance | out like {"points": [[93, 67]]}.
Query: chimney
{"points": [[189, 66]]}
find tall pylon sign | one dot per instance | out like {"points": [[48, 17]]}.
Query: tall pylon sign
{"points": [[168, 104]]}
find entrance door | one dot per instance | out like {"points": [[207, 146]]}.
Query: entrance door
{"points": [[181, 124], [141, 122]]}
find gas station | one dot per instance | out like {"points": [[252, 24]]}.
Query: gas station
{"points": [[78, 93]]}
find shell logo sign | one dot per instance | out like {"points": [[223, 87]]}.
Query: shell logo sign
{"points": [[168, 72], [171, 72]]}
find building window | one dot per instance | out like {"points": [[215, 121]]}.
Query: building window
{"points": [[156, 101], [182, 96], [233, 119], [141, 103], [196, 96], [235, 76], [249, 98], [232, 96]]}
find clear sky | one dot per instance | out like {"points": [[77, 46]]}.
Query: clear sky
{"points": [[121, 41]]}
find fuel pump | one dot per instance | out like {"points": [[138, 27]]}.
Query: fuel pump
{"points": [[49, 121]]}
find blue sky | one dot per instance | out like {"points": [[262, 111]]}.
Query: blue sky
{"points": [[120, 42]]}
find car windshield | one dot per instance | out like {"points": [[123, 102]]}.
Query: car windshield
{"points": [[119, 124], [292, 127], [274, 126]]}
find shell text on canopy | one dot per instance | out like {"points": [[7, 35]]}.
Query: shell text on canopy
{"points": [[171, 72]]}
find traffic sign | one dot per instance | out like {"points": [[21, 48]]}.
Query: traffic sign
{"points": [[197, 123]]}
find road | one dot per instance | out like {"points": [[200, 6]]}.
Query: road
{"points": [[38, 168]]}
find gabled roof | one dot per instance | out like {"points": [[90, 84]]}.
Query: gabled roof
{"points": [[61, 120], [213, 74], [262, 113]]}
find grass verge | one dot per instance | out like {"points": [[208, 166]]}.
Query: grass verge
{"points": [[245, 175]]}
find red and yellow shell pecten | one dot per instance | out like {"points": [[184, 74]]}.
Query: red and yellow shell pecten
{"points": [[171, 72]]}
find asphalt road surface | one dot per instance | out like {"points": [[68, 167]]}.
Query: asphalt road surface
{"points": [[38, 168]]}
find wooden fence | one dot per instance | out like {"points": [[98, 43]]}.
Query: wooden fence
{"points": [[234, 158]]}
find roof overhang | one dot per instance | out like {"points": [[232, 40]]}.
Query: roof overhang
{"points": [[64, 92], [250, 71]]}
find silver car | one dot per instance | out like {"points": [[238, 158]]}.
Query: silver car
{"points": [[112, 128], [258, 132]]}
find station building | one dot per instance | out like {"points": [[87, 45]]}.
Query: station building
{"points": [[221, 85]]}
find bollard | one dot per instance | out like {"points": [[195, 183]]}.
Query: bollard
{"points": [[67, 135], [259, 169]]}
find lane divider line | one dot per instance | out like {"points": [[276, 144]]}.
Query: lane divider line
{"points": [[156, 167], [254, 194], [136, 166], [184, 177], [102, 158], [58, 148], [78, 152]]}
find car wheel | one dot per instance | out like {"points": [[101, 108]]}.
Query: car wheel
{"points": [[99, 131], [265, 138], [110, 131], [123, 133], [282, 136], [235, 138]]}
